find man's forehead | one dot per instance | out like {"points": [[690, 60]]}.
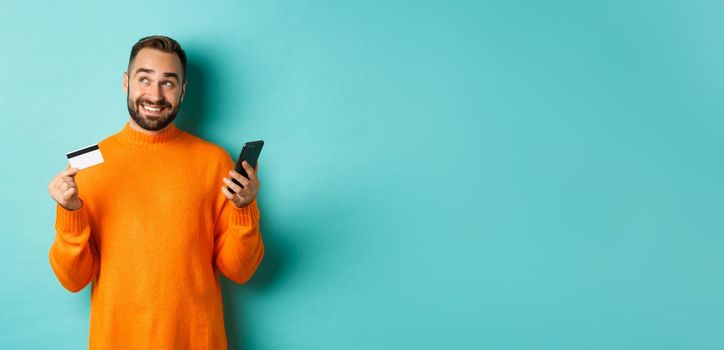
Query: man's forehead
{"points": [[156, 61]]}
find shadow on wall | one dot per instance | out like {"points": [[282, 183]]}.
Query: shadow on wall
{"points": [[265, 279], [196, 118], [194, 106], [284, 261]]}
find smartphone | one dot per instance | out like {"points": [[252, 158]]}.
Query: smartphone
{"points": [[250, 153]]}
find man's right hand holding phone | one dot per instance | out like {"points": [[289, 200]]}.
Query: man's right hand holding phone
{"points": [[246, 193], [64, 190]]}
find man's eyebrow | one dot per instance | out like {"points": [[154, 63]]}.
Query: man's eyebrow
{"points": [[151, 71], [144, 70], [171, 75]]}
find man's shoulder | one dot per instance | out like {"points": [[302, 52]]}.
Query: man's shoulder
{"points": [[205, 147]]}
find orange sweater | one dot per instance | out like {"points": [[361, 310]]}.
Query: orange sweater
{"points": [[152, 235]]}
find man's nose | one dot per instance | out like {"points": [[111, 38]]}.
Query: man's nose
{"points": [[155, 94]]}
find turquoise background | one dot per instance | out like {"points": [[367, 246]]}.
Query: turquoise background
{"points": [[462, 175]]}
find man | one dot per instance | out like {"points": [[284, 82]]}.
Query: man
{"points": [[153, 225]]}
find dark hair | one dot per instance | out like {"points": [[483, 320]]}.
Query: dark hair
{"points": [[161, 43]]}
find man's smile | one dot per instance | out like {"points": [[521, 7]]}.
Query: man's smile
{"points": [[153, 109]]}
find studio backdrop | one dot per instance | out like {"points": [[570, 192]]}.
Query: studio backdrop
{"points": [[436, 174]]}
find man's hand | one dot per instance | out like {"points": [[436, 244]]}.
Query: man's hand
{"points": [[245, 195], [64, 189]]}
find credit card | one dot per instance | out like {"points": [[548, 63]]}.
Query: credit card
{"points": [[85, 157]]}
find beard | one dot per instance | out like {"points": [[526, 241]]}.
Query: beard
{"points": [[152, 122]]}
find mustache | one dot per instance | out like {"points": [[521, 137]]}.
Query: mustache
{"points": [[162, 103]]}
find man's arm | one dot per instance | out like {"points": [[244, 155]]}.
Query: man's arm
{"points": [[73, 255], [238, 247]]}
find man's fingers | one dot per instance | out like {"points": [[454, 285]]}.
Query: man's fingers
{"points": [[56, 185], [234, 187], [68, 175], [68, 194], [230, 196], [57, 195], [67, 183], [53, 184], [226, 193], [63, 187], [70, 171], [238, 177], [249, 170], [61, 184]]}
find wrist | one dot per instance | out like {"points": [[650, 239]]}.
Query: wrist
{"points": [[73, 206], [246, 215]]}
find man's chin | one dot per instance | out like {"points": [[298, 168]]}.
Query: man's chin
{"points": [[153, 122], [156, 125]]}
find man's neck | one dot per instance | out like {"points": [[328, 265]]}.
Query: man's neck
{"points": [[132, 123]]}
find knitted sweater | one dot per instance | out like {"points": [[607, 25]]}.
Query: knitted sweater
{"points": [[152, 236]]}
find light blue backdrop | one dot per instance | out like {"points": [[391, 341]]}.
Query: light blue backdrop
{"points": [[462, 175]]}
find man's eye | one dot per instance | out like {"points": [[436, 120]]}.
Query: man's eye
{"points": [[143, 80], [167, 84]]}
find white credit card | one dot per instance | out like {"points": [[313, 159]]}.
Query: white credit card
{"points": [[85, 157]]}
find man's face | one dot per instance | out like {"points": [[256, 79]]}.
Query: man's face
{"points": [[155, 88]]}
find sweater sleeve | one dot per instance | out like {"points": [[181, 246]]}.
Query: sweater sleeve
{"points": [[238, 247], [73, 254]]}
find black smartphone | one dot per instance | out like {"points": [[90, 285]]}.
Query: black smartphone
{"points": [[250, 153]]}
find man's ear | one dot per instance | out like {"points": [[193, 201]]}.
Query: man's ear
{"points": [[125, 82], [183, 91]]}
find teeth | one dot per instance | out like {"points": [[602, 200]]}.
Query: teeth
{"points": [[152, 109]]}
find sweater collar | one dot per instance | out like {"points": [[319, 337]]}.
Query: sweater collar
{"points": [[131, 136]]}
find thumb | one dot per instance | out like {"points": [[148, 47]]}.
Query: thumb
{"points": [[70, 171]]}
